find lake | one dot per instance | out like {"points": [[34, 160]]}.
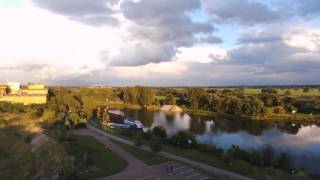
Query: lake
{"points": [[300, 140]]}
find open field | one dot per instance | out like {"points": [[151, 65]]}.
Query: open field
{"points": [[296, 92]]}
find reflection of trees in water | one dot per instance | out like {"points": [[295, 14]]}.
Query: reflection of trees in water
{"points": [[170, 117], [198, 123], [197, 126], [146, 117], [252, 127], [256, 127], [288, 127]]}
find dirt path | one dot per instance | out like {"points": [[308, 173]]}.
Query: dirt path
{"points": [[133, 163]]}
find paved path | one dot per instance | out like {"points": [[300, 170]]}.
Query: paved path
{"points": [[133, 162], [208, 168], [158, 172]]}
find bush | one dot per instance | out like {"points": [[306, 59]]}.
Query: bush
{"points": [[236, 152], [209, 149], [147, 135], [126, 132], [268, 155], [160, 132], [155, 144], [284, 162], [184, 139]]}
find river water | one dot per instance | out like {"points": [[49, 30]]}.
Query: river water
{"points": [[301, 141]]}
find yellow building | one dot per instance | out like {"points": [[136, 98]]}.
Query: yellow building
{"points": [[29, 94]]}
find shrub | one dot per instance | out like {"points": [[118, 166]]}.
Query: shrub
{"points": [[160, 132], [209, 149], [255, 158], [283, 162], [268, 155], [236, 152], [183, 139], [126, 132], [147, 135], [155, 144]]}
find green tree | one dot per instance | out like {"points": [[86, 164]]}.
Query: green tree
{"points": [[160, 132], [74, 118], [170, 99]]}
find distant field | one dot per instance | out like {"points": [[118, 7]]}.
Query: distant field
{"points": [[296, 92]]}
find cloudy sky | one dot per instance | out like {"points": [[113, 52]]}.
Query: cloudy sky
{"points": [[160, 43]]}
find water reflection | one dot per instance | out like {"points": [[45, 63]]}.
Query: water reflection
{"points": [[301, 140]]}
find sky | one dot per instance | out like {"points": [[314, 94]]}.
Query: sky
{"points": [[160, 43]]}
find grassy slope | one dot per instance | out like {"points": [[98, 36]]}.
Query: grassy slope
{"points": [[17, 161], [105, 161]]}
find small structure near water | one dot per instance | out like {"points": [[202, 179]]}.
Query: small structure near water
{"points": [[171, 108]]}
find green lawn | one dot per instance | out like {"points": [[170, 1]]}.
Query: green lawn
{"points": [[101, 161], [147, 157]]}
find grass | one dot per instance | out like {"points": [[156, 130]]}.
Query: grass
{"points": [[147, 157], [105, 161]]}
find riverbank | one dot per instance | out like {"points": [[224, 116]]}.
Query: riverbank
{"points": [[274, 117], [235, 165]]}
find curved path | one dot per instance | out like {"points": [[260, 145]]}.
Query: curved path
{"points": [[133, 163]]}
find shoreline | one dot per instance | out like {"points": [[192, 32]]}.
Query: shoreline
{"points": [[285, 117]]}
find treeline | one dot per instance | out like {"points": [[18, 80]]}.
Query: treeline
{"points": [[138, 95], [235, 102]]}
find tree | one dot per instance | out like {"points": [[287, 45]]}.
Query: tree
{"points": [[146, 96], [194, 96], [160, 132], [170, 99], [184, 139], [74, 118]]}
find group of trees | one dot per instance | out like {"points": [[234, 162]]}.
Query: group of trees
{"points": [[138, 95], [235, 102]]}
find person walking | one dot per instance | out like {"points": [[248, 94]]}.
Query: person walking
{"points": [[171, 169]]}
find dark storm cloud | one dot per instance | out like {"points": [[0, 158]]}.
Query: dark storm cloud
{"points": [[165, 26], [240, 11], [92, 12]]}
